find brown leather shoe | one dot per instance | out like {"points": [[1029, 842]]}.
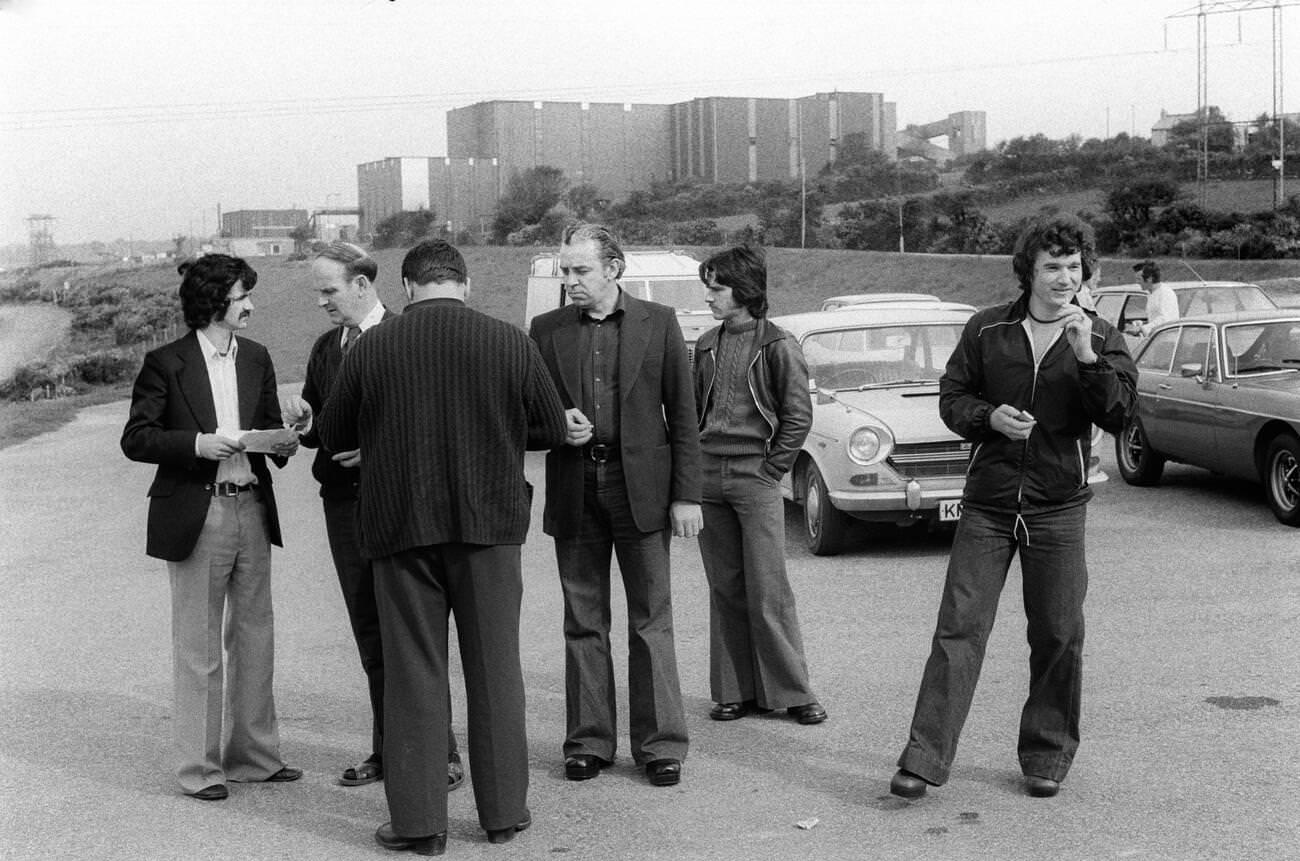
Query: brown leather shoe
{"points": [[434, 844], [215, 792]]}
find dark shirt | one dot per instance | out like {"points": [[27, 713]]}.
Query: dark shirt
{"points": [[598, 349]]}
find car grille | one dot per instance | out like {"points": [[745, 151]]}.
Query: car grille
{"points": [[930, 459]]}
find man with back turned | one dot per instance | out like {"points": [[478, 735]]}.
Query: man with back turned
{"points": [[442, 402]]}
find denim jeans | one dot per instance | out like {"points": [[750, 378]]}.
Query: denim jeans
{"points": [[1055, 580]]}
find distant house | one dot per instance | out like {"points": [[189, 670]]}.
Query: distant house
{"points": [[1163, 126]]}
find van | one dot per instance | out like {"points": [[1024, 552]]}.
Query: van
{"points": [[670, 278]]}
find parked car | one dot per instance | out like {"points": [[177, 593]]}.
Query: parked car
{"points": [[878, 450], [1125, 305], [1221, 391], [857, 300]]}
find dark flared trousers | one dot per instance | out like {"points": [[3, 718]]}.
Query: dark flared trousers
{"points": [[1055, 580], [755, 645], [657, 720], [416, 590]]}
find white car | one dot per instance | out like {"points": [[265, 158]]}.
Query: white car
{"points": [[878, 450]]}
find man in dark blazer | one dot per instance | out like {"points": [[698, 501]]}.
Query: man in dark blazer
{"points": [[343, 278], [442, 403], [212, 517], [628, 473]]}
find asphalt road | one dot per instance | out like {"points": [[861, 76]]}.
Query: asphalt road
{"points": [[1191, 710]]}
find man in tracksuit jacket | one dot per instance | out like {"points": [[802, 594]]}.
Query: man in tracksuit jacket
{"points": [[1024, 384]]}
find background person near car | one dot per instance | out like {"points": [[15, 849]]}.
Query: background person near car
{"points": [[1162, 304], [751, 392], [1025, 384]]}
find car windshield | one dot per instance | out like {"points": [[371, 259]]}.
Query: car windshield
{"points": [[1211, 299], [1261, 348], [880, 356], [684, 295]]}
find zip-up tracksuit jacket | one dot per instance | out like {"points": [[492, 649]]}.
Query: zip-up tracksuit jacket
{"points": [[992, 365]]}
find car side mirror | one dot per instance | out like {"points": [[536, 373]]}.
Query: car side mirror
{"points": [[1192, 369]]}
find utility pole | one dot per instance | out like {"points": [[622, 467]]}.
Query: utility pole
{"points": [[1203, 9]]}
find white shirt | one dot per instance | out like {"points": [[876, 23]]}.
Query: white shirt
{"points": [[225, 398], [371, 320], [1162, 306]]}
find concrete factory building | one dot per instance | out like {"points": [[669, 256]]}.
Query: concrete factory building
{"points": [[622, 147]]}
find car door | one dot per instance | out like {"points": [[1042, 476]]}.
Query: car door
{"points": [[1186, 398]]}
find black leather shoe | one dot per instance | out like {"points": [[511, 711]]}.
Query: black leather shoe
{"points": [[809, 713], [215, 792], [505, 835], [434, 844], [1041, 787], [730, 711], [285, 775], [908, 785], [583, 766], [664, 772]]}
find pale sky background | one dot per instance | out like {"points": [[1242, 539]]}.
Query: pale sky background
{"points": [[136, 118]]}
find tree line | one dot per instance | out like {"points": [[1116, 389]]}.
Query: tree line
{"points": [[868, 201]]}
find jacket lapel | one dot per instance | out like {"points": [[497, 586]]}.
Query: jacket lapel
{"points": [[250, 390], [195, 386], [565, 338], [633, 342]]}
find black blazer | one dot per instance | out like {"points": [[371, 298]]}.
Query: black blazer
{"points": [[170, 405], [658, 438]]}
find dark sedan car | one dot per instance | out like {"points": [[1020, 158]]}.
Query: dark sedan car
{"points": [[1221, 391]]}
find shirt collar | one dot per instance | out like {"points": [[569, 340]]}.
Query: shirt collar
{"points": [[617, 312], [210, 350], [373, 318]]}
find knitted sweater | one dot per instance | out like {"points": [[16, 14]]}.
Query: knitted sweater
{"points": [[442, 401]]}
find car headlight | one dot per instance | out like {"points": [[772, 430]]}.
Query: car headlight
{"points": [[868, 445]]}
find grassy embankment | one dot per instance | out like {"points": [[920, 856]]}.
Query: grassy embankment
{"points": [[287, 320]]}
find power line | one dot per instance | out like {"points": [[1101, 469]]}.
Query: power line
{"points": [[119, 115]]}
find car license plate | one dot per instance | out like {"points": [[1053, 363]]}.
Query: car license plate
{"points": [[950, 509]]}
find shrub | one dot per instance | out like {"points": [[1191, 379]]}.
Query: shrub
{"points": [[104, 367]]}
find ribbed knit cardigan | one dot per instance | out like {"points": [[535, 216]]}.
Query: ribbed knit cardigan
{"points": [[442, 401]]}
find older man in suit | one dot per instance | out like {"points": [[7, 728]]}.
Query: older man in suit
{"points": [[442, 402], [343, 278], [212, 517], [629, 472]]}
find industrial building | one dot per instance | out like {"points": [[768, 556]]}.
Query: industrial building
{"points": [[621, 147]]}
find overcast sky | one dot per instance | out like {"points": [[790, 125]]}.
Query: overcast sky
{"points": [[136, 118]]}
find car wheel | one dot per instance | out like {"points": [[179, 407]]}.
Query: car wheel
{"points": [[1282, 478], [824, 524], [1139, 463]]}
